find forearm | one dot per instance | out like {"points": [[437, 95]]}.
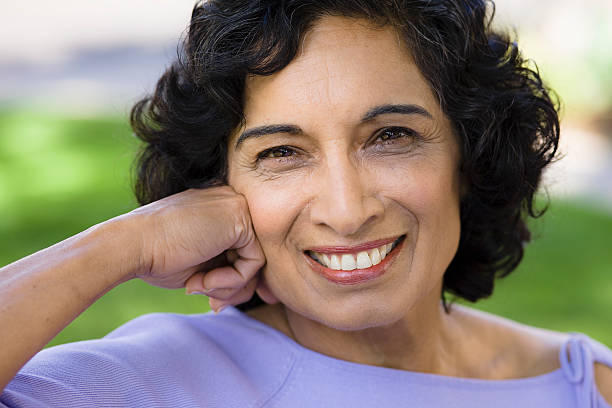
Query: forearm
{"points": [[42, 293]]}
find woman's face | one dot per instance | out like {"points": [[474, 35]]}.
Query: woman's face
{"points": [[344, 151]]}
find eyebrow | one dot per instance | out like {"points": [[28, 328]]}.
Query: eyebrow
{"points": [[369, 116], [403, 109]]}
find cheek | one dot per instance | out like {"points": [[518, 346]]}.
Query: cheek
{"points": [[421, 186], [439, 224], [273, 209], [429, 194]]}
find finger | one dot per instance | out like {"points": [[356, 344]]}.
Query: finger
{"points": [[241, 296], [194, 284], [216, 305], [222, 294], [244, 294], [222, 283], [226, 277], [250, 255], [260, 285], [219, 293]]}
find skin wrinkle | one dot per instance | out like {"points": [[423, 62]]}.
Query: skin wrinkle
{"points": [[373, 116], [415, 186], [348, 194]]}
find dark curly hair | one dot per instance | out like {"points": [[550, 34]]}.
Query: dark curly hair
{"points": [[505, 118]]}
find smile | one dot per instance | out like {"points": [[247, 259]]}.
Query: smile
{"points": [[347, 261], [352, 265]]}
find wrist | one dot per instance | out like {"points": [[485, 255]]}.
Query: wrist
{"points": [[117, 243]]}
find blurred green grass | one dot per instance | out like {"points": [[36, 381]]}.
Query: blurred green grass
{"points": [[60, 175]]}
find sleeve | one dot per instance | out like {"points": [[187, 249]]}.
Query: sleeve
{"points": [[158, 360], [578, 358], [144, 363], [79, 375]]}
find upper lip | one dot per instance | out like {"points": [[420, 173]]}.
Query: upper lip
{"points": [[343, 249]]}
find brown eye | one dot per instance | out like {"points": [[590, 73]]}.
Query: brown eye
{"points": [[393, 133], [276, 152]]}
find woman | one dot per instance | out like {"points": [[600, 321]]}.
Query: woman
{"points": [[349, 162]]}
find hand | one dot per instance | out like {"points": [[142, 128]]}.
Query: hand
{"points": [[202, 240]]}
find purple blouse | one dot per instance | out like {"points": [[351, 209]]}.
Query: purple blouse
{"points": [[231, 360]]}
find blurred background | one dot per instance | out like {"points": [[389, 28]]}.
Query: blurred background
{"points": [[70, 70]]}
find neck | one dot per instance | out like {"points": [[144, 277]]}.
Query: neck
{"points": [[419, 341]]}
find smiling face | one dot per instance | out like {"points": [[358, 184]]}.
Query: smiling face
{"points": [[346, 154]]}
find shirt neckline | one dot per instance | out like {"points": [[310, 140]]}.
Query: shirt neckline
{"points": [[405, 375]]}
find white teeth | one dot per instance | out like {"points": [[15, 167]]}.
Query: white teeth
{"points": [[363, 260], [325, 259], [375, 256], [348, 262], [334, 263]]}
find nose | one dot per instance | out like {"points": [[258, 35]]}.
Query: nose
{"points": [[345, 197]]}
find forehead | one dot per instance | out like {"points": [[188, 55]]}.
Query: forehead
{"points": [[343, 68]]}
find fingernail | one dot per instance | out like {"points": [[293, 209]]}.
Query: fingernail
{"points": [[220, 309], [196, 292], [203, 292]]}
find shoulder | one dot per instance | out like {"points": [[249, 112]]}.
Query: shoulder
{"points": [[508, 349], [162, 357], [196, 341], [522, 351], [603, 379]]}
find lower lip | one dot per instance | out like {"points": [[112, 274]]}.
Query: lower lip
{"points": [[355, 276]]}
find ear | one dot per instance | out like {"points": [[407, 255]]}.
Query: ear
{"points": [[603, 378], [264, 292]]}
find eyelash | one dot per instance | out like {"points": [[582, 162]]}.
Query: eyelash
{"points": [[410, 134]]}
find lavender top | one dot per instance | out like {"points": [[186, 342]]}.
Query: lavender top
{"points": [[231, 360]]}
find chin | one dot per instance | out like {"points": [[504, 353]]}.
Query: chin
{"points": [[358, 318]]}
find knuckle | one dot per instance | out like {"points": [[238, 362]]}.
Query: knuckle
{"points": [[239, 203], [222, 294], [242, 219], [242, 296]]}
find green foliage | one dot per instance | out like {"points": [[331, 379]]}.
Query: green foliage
{"points": [[59, 175], [565, 280]]}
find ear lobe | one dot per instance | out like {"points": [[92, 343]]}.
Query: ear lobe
{"points": [[264, 292]]}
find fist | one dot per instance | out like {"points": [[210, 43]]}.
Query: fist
{"points": [[202, 240]]}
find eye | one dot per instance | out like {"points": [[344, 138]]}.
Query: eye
{"points": [[395, 134], [279, 158], [276, 153]]}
